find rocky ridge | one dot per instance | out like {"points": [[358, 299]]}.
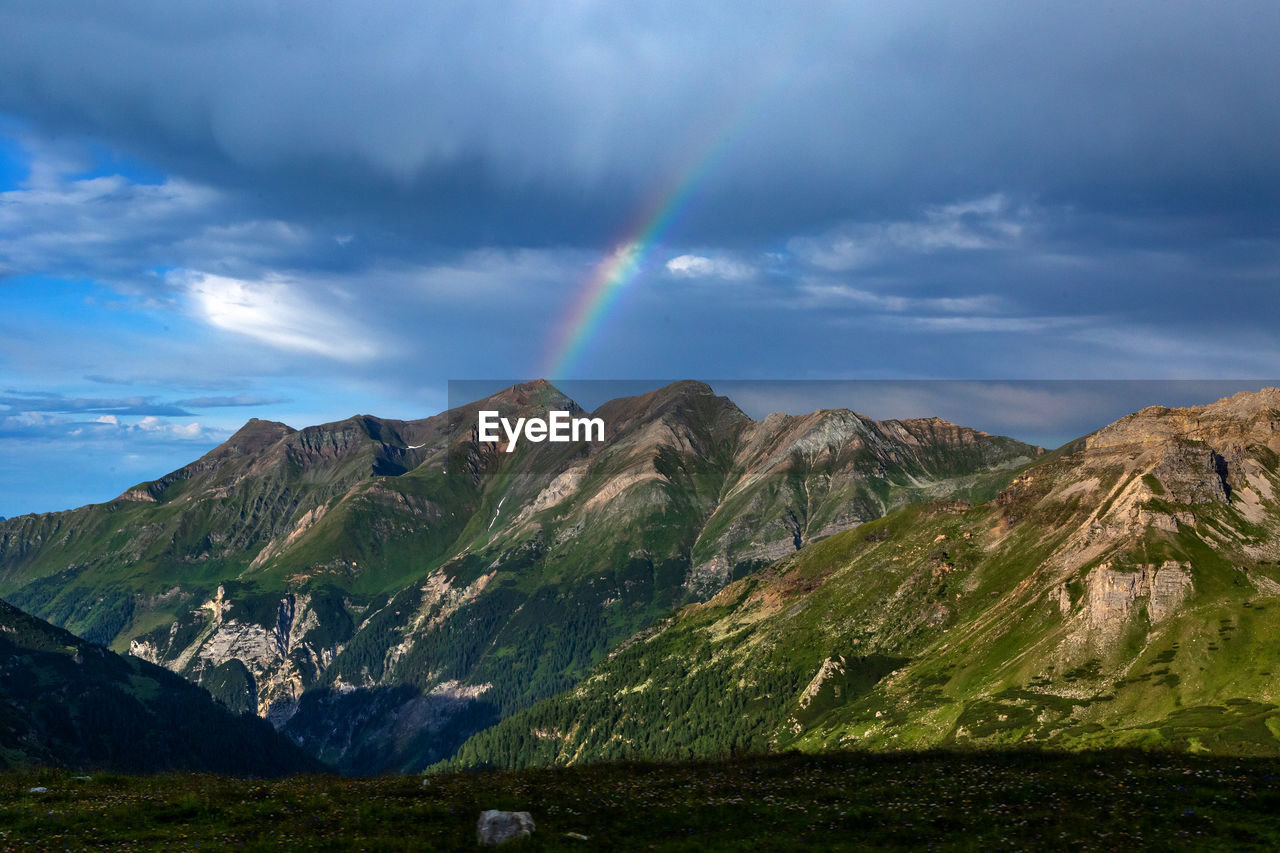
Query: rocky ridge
{"points": [[340, 579], [1123, 590]]}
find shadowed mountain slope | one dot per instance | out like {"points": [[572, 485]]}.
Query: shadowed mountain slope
{"points": [[70, 703]]}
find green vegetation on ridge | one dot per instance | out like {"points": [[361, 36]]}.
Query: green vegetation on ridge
{"points": [[1120, 592], [346, 579]]}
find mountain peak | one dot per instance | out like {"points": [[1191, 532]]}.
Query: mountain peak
{"points": [[1252, 414], [539, 394], [257, 435], [682, 399], [1246, 403], [684, 389]]}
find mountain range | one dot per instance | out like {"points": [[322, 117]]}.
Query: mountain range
{"points": [[1123, 590], [382, 590], [393, 595]]}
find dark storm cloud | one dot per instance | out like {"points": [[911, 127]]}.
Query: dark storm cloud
{"points": [[110, 228], [523, 123], [219, 207], [16, 402]]}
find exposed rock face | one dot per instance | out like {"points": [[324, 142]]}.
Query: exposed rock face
{"points": [[1170, 586], [1111, 595], [278, 546], [1062, 597], [1264, 584], [280, 657], [830, 667], [1191, 473], [558, 490], [1256, 414], [441, 599], [796, 479], [1168, 470], [498, 827]]}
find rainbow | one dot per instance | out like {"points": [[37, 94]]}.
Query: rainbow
{"points": [[611, 277]]}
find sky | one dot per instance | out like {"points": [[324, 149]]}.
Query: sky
{"points": [[212, 211]]}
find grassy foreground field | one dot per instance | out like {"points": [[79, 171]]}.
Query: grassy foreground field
{"points": [[1100, 801]]}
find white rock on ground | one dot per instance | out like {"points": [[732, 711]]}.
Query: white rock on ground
{"points": [[498, 827]]}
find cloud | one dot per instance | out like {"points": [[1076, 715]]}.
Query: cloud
{"points": [[110, 407], [489, 276], [819, 293], [169, 380], [421, 186], [115, 229], [189, 431], [558, 118], [97, 226], [29, 402], [280, 313], [223, 402], [991, 222], [980, 324], [90, 461], [697, 266], [44, 427]]}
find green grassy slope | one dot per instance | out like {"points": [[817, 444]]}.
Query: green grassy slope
{"points": [[69, 703], [1125, 591]]}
